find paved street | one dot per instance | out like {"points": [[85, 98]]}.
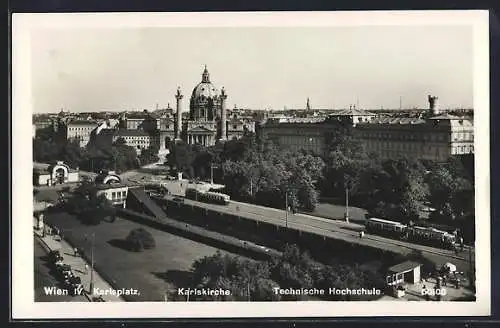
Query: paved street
{"points": [[78, 265], [335, 229], [44, 278]]}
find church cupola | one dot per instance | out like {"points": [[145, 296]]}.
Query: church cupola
{"points": [[205, 78]]}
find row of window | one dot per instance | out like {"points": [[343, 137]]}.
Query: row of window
{"points": [[116, 195], [462, 150], [85, 128], [299, 140], [463, 136], [384, 145], [404, 136]]}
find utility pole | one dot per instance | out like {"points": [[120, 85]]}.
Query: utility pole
{"points": [[286, 209], [251, 186], [211, 173], [92, 264], [400, 102], [472, 277], [248, 289], [346, 216]]}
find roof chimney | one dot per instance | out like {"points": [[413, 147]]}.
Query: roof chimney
{"points": [[433, 104]]}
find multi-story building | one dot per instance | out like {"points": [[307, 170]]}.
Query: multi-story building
{"points": [[145, 121], [310, 134], [116, 193], [33, 131], [43, 122], [138, 139], [80, 131], [436, 137]]}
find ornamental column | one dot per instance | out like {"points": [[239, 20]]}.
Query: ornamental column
{"points": [[178, 97], [223, 132]]}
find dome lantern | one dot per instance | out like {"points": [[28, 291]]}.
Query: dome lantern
{"points": [[205, 78]]}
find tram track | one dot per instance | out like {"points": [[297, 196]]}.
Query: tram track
{"points": [[317, 225], [370, 237]]}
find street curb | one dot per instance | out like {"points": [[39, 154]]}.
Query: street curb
{"points": [[44, 244], [48, 250]]}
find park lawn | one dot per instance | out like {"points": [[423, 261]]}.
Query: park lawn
{"points": [[153, 272], [337, 212]]}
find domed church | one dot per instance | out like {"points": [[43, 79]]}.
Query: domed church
{"points": [[207, 120]]}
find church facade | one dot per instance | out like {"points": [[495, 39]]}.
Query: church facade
{"points": [[207, 121]]}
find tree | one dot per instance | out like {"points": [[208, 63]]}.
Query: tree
{"points": [[181, 156], [141, 239], [396, 189], [149, 155], [451, 194], [91, 207]]}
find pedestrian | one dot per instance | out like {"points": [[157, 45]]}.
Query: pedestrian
{"points": [[86, 268], [75, 251]]}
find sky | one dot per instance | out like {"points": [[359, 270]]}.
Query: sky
{"points": [[86, 70]]}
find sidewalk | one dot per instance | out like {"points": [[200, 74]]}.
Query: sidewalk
{"points": [[78, 265]]}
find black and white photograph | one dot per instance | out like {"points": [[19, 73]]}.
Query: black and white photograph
{"points": [[251, 164]]}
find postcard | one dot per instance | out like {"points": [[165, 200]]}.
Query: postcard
{"points": [[259, 164]]}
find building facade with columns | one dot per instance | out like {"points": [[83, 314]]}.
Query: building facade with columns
{"points": [[435, 136], [207, 121]]}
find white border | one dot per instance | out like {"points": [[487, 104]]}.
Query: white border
{"points": [[23, 306]]}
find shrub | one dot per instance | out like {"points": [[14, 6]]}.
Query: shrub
{"points": [[140, 239]]}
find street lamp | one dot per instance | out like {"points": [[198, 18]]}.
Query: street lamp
{"points": [[91, 287], [346, 215], [286, 209]]}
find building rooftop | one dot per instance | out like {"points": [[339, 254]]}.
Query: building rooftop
{"points": [[110, 186], [141, 115], [404, 267], [445, 116], [297, 120], [394, 120], [82, 122], [350, 112], [130, 133]]}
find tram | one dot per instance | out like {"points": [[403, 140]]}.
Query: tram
{"points": [[417, 234], [207, 196]]}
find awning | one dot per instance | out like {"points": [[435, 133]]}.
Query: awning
{"points": [[451, 266]]}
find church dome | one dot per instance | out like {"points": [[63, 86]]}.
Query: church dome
{"points": [[205, 89]]}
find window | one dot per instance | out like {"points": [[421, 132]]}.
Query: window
{"points": [[235, 127], [113, 195]]}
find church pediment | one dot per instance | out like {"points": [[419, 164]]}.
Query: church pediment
{"points": [[199, 129]]}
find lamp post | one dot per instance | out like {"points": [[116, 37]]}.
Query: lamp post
{"points": [[346, 215], [211, 173], [286, 209], [92, 264]]}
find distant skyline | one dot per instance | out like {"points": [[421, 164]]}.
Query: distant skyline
{"points": [[86, 70]]}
